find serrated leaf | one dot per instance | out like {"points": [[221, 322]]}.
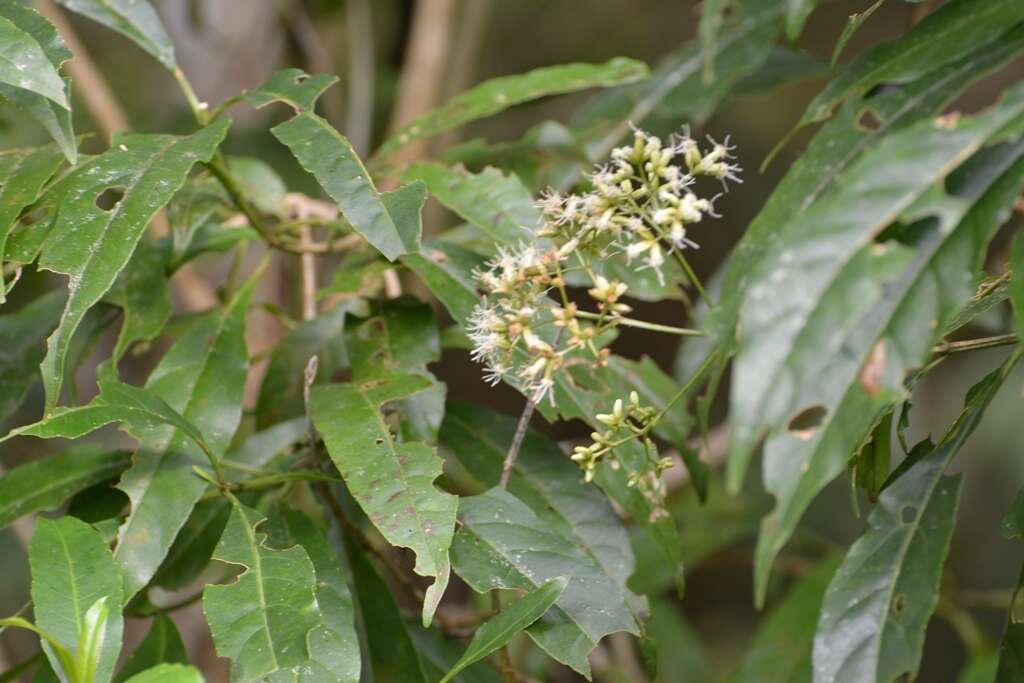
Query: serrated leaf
{"points": [[781, 649], [45, 484], [91, 245], [261, 621], [545, 480], [497, 631], [135, 19], [498, 94], [503, 544], [54, 116], [897, 321], [162, 645], [72, 569], [24, 65], [324, 337], [498, 204], [168, 673], [329, 156], [21, 347], [879, 602], [389, 648], [293, 87], [202, 377], [333, 645], [950, 33], [394, 485], [23, 174]]}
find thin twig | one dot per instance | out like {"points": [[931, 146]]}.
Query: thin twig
{"points": [[517, 442], [947, 348]]}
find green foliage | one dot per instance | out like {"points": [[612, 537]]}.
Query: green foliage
{"points": [[317, 492]]}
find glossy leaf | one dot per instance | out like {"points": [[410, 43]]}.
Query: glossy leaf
{"points": [[24, 64], [394, 486], [168, 673], [162, 645], [24, 175], [951, 32], [781, 648], [262, 620], [293, 87], [499, 630], [325, 153], [193, 547], [47, 483], [498, 204], [91, 245], [135, 19], [503, 544], [889, 329], [202, 377], [880, 600], [54, 116], [142, 292], [21, 347], [498, 94], [72, 570]]}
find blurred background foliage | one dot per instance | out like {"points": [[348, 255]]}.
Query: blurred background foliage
{"points": [[226, 46]]}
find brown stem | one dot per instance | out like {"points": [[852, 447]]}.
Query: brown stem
{"points": [[946, 348], [517, 442]]}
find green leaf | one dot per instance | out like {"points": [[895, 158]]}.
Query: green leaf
{"points": [[91, 245], [1011, 655], [503, 544], [948, 34], [797, 12], [445, 270], [135, 19], [45, 484], [261, 621], [24, 64], [879, 602], [21, 347], [388, 646], [887, 328], [193, 547], [496, 632], [54, 116], [44, 673], [1016, 289], [142, 292], [24, 175], [498, 204], [781, 648], [162, 645], [202, 377], [327, 154], [980, 668], [168, 673], [679, 644], [852, 26], [546, 481], [333, 645], [72, 569], [294, 87], [324, 337], [395, 484], [498, 94]]}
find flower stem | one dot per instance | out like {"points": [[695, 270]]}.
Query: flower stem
{"points": [[681, 260], [946, 348], [644, 325]]}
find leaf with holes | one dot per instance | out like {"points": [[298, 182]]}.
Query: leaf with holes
{"points": [[498, 204], [887, 325], [950, 33], [47, 483], [135, 19], [500, 629], [877, 606], [293, 87], [325, 153], [503, 544], [54, 116], [392, 480], [498, 94], [91, 244], [72, 571], [202, 378], [23, 174]]}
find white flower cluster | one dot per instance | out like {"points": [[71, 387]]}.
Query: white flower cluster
{"points": [[642, 202]]}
